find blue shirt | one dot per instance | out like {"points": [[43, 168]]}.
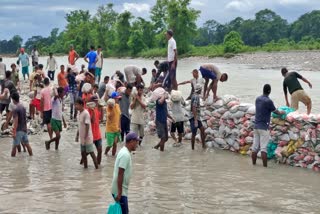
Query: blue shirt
{"points": [[92, 56], [24, 59], [161, 112], [264, 108]]}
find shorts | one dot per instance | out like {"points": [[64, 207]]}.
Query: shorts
{"points": [[207, 74], [162, 130], [137, 128], [98, 71], [111, 136], [97, 143], [47, 117], [66, 89], [56, 125], [172, 72], [260, 140], [123, 203], [193, 128], [299, 96], [88, 148], [21, 137], [25, 70], [36, 103], [4, 107], [177, 126]]}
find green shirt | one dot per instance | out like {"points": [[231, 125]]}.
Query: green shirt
{"points": [[123, 161], [291, 82]]}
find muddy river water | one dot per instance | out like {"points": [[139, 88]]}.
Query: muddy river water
{"points": [[176, 181]]}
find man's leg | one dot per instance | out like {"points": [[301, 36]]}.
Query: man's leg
{"points": [[84, 159], [255, 146], [94, 159], [264, 140], [193, 139], [203, 137], [14, 150], [27, 145], [114, 147]]}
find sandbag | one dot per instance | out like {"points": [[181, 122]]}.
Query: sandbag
{"points": [[156, 94]]}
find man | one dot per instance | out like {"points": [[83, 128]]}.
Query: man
{"points": [[210, 71], [122, 172], [2, 69], [138, 106], [292, 84], [162, 67], [91, 58], [264, 108], [15, 76], [19, 134], [133, 74], [6, 84], [99, 64], [124, 106], [85, 135], [102, 86], [35, 56], [52, 65], [118, 75], [46, 105], [24, 59], [195, 121], [73, 56], [161, 121], [196, 80], [57, 118], [62, 79], [73, 92], [172, 59]]}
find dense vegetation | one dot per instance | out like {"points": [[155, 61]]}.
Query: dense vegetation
{"points": [[125, 35]]}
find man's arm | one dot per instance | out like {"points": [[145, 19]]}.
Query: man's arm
{"points": [[86, 131], [133, 103], [76, 55], [175, 61], [185, 82], [143, 105], [306, 81], [85, 58], [47, 63], [162, 99], [119, 183], [101, 60], [285, 91], [15, 125]]}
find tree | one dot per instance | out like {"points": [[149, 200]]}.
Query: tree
{"points": [[233, 42], [209, 33], [307, 25], [123, 32], [159, 15]]}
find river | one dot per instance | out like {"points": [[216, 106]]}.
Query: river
{"points": [[176, 181]]}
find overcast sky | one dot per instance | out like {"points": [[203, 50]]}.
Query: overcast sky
{"points": [[38, 17]]}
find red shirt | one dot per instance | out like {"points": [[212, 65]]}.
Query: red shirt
{"points": [[95, 126]]}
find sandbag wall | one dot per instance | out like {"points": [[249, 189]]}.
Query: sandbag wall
{"points": [[229, 125]]}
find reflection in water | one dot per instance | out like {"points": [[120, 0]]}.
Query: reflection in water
{"points": [[176, 181]]}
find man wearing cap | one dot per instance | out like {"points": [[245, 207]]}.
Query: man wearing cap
{"points": [[210, 71], [24, 59], [172, 59], [122, 172]]}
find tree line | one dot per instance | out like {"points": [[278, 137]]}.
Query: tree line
{"points": [[122, 34]]}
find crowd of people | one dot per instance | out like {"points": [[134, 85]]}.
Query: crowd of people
{"points": [[87, 93]]}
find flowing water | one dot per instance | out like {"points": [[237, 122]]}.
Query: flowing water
{"points": [[176, 181]]}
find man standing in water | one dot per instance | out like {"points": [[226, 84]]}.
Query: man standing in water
{"points": [[35, 56], [122, 172], [210, 71], [292, 84], [124, 106], [99, 65], [73, 56], [91, 58], [46, 106], [264, 108], [24, 59], [172, 59], [52, 65]]}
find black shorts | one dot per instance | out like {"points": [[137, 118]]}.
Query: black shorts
{"points": [[177, 126], [162, 130], [193, 128], [47, 117], [4, 107]]}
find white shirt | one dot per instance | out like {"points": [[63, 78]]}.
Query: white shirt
{"points": [[52, 64], [171, 47], [131, 72], [195, 81], [35, 55], [99, 62]]}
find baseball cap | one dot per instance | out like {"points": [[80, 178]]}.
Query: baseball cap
{"points": [[132, 136], [115, 95], [21, 49]]}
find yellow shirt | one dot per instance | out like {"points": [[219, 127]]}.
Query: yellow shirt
{"points": [[113, 119]]}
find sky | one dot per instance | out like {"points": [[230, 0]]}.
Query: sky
{"points": [[38, 17]]}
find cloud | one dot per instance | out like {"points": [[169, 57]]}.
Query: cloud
{"points": [[132, 7], [240, 5], [294, 2], [197, 3]]}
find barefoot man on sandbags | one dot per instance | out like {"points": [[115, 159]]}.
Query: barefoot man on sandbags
{"points": [[210, 71]]}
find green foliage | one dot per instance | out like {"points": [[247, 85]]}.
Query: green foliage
{"points": [[122, 32], [11, 46], [233, 42]]}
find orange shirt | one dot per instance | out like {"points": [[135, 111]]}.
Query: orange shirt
{"points": [[95, 126], [62, 80], [86, 98], [113, 119], [72, 57]]}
